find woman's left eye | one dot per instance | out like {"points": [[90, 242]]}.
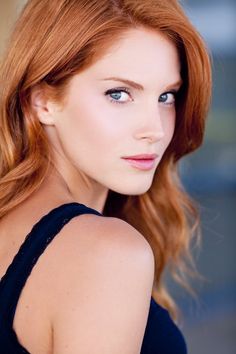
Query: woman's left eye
{"points": [[118, 95], [167, 98]]}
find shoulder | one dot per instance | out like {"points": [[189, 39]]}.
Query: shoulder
{"points": [[88, 233], [101, 286], [89, 241]]}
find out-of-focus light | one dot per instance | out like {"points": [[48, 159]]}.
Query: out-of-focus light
{"points": [[217, 25]]}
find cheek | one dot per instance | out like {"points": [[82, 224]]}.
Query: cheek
{"points": [[88, 128], [169, 127]]}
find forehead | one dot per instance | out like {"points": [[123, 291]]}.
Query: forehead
{"points": [[139, 51]]}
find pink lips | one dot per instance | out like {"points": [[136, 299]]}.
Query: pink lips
{"points": [[142, 161], [141, 156]]}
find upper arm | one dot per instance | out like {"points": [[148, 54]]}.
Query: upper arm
{"points": [[103, 297]]}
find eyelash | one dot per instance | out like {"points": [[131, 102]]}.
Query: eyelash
{"points": [[117, 90], [174, 93], [124, 89]]}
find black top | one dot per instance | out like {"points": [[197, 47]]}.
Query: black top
{"points": [[161, 336]]}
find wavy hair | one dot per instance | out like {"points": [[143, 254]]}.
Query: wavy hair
{"points": [[54, 40]]}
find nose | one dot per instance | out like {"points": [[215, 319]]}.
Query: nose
{"points": [[152, 126]]}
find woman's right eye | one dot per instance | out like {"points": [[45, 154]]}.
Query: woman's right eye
{"points": [[115, 95]]}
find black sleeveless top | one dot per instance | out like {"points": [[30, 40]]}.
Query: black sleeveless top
{"points": [[161, 335]]}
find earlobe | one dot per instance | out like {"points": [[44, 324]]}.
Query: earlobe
{"points": [[42, 106]]}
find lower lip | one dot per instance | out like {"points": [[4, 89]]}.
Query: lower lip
{"points": [[142, 164]]}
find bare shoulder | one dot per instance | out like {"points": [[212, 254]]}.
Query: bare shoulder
{"points": [[101, 288]]}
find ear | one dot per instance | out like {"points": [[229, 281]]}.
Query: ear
{"points": [[44, 108]]}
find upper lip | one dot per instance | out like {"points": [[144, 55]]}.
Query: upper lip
{"points": [[141, 156]]}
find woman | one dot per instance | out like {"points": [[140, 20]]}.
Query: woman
{"points": [[99, 101]]}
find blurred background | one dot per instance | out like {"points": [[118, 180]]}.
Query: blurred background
{"points": [[209, 175]]}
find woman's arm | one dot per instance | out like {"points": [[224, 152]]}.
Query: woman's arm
{"points": [[102, 289]]}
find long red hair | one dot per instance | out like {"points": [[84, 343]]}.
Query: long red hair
{"points": [[54, 40]]}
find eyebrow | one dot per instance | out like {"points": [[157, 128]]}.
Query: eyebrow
{"points": [[138, 86]]}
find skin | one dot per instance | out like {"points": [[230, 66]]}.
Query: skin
{"points": [[90, 133]]}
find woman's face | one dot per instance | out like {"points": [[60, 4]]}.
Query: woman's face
{"points": [[106, 118]]}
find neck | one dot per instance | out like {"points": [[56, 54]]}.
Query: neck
{"points": [[78, 189]]}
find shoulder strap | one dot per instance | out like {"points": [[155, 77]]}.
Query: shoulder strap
{"points": [[33, 246]]}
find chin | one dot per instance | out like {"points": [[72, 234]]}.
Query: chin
{"points": [[134, 189]]}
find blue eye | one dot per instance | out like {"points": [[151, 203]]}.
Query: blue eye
{"points": [[167, 98], [116, 95]]}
